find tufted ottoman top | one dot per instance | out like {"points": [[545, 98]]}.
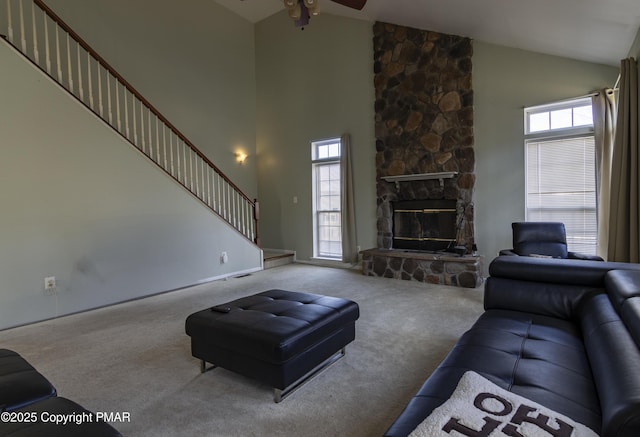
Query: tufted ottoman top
{"points": [[274, 325]]}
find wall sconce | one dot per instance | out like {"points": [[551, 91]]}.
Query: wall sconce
{"points": [[240, 157]]}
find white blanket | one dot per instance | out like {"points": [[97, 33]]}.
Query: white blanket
{"points": [[480, 408]]}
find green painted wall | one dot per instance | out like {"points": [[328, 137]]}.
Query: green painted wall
{"points": [[312, 84], [635, 47], [505, 81], [80, 204], [316, 83], [193, 60]]}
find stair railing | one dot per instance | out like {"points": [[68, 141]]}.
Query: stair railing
{"points": [[40, 35]]}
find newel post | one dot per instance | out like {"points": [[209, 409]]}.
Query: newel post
{"points": [[256, 218]]}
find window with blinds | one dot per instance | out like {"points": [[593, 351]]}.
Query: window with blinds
{"points": [[327, 229], [560, 170]]}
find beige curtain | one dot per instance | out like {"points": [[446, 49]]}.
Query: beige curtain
{"points": [[348, 217], [624, 213], [604, 118]]}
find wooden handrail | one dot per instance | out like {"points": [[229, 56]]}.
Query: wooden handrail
{"points": [[139, 96]]}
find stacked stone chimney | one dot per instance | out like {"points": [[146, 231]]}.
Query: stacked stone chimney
{"points": [[424, 121]]}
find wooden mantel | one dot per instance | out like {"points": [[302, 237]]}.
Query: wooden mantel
{"points": [[441, 176]]}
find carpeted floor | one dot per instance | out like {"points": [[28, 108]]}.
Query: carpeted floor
{"points": [[136, 358]]}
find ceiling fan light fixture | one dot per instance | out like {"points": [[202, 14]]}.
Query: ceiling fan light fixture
{"points": [[304, 17], [290, 4], [353, 4], [295, 12], [301, 10]]}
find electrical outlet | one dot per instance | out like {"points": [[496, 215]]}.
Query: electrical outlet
{"points": [[224, 258], [50, 285]]}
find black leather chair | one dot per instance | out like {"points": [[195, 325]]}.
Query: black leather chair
{"points": [[546, 239]]}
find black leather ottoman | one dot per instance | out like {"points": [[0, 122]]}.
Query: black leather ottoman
{"points": [[281, 338]]}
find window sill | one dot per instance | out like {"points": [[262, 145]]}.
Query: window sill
{"points": [[328, 262]]}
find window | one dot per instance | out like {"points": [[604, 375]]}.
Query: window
{"points": [[560, 170], [327, 229]]}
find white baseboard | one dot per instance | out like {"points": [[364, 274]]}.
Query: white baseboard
{"points": [[227, 275]]}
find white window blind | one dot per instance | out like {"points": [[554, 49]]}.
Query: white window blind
{"points": [[561, 188], [560, 170]]}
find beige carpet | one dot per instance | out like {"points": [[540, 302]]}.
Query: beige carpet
{"points": [[135, 358]]}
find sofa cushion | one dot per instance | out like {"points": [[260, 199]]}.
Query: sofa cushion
{"points": [[20, 383], [480, 408], [537, 357]]}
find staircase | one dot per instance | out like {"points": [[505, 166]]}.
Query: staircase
{"points": [[276, 258], [42, 37]]}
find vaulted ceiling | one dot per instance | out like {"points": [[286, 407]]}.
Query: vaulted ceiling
{"points": [[591, 30]]}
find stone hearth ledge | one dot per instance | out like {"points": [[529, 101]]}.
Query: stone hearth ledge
{"points": [[433, 268]]}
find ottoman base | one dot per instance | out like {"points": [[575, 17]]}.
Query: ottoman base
{"points": [[280, 395]]}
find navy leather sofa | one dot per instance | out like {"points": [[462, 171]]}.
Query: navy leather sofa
{"points": [[562, 333], [30, 406]]}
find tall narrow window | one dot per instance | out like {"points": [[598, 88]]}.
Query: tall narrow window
{"points": [[327, 235], [560, 170]]}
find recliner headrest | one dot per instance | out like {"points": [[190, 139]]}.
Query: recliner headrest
{"points": [[540, 238]]}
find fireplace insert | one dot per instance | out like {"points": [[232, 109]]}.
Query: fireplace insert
{"points": [[425, 225]]}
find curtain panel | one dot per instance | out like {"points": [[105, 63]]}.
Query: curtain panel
{"points": [[604, 119], [348, 216], [624, 216]]}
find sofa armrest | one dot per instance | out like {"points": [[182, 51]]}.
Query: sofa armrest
{"points": [[623, 287], [615, 363], [20, 383], [507, 252], [584, 256]]}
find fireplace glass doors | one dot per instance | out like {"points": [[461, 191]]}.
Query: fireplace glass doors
{"points": [[427, 225]]}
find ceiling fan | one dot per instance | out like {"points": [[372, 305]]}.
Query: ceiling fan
{"points": [[301, 10], [353, 4]]}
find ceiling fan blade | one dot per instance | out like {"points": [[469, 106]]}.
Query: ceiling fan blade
{"points": [[354, 4]]}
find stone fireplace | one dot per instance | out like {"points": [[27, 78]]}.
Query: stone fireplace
{"points": [[424, 129]]}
